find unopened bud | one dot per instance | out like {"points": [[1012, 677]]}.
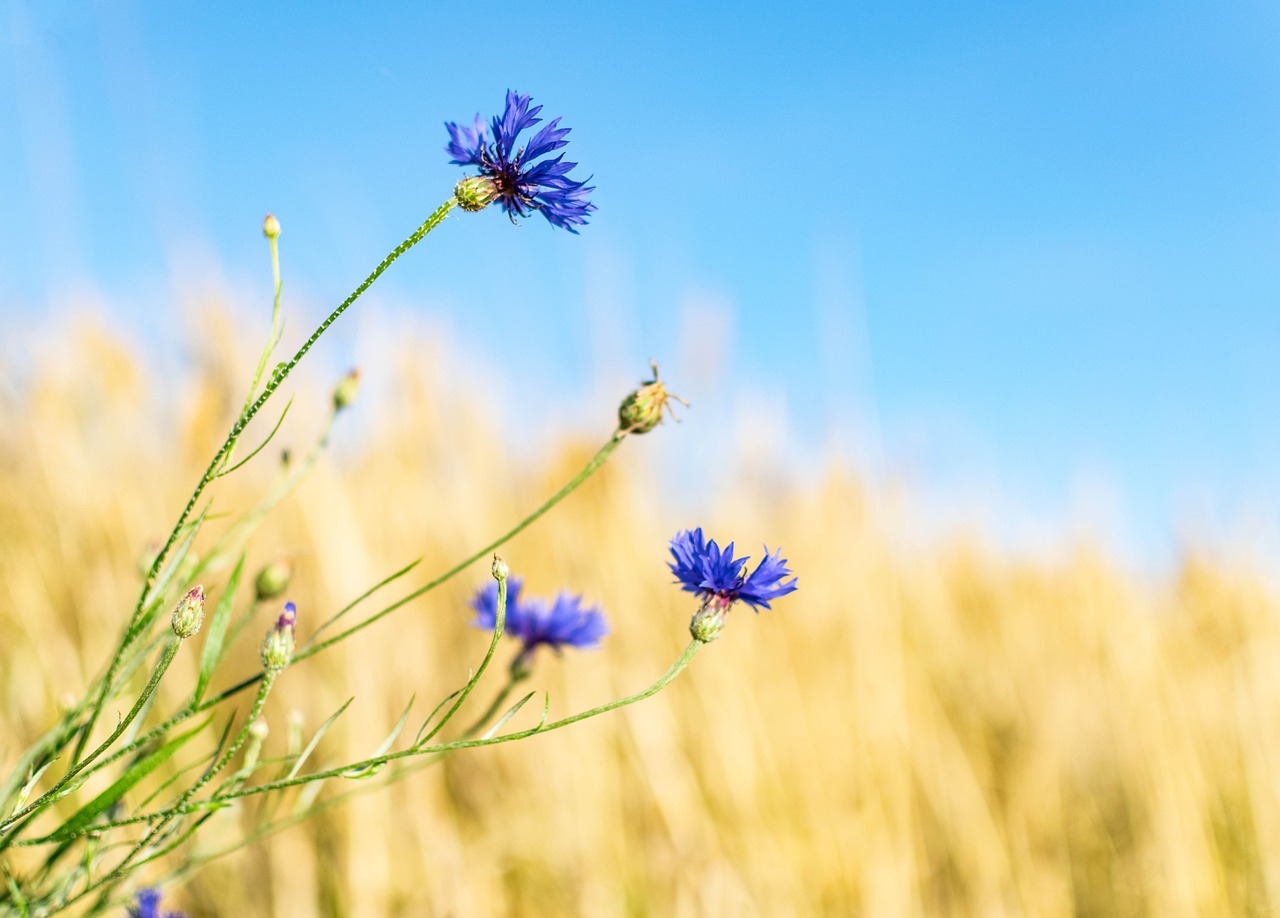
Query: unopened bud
{"points": [[271, 581], [271, 227], [500, 569], [188, 614], [708, 622], [475, 193], [642, 410], [346, 391], [277, 646]]}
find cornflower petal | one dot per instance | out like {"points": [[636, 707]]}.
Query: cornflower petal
{"points": [[564, 622], [701, 567]]}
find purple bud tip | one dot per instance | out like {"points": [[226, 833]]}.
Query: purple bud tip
{"points": [[288, 617]]}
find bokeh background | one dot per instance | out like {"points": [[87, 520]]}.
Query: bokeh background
{"points": [[976, 307]]}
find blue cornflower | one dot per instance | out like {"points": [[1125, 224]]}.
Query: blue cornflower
{"points": [[147, 905], [702, 567], [509, 174], [564, 621]]}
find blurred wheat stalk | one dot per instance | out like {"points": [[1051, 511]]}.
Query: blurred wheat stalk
{"points": [[921, 730]]}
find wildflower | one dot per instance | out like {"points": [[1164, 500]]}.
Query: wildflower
{"points": [[188, 614], [642, 410], [146, 904], [510, 175], [564, 621], [702, 568], [277, 646]]}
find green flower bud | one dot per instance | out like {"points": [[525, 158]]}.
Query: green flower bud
{"points": [[277, 646], [271, 227], [271, 581], [188, 614], [500, 569], [708, 622], [475, 193], [344, 394], [642, 410]]}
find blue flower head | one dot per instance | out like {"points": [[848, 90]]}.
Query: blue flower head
{"points": [[510, 175], [146, 904], [703, 568], [562, 622]]}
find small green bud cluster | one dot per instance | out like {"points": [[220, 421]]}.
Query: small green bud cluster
{"points": [[188, 614], [643, 409], [344, 394], [277, 646], [475, 193]]}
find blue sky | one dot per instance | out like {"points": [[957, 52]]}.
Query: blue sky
{"points": [[1015, 252]]}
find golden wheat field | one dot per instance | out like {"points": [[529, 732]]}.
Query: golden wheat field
{"points": [[925, 728]]}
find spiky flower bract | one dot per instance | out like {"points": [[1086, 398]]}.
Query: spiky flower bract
{"points": [[562, 622], [514, 179], [146, 904], [703, 568]]}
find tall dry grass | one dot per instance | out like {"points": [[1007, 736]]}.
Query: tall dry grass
{"points": [[925, 728]]}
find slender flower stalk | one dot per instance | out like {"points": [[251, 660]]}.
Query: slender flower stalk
{"points": [[277, 378], [677, 667]]}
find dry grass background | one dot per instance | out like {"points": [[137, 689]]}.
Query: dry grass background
{"points": [[925, 728]]}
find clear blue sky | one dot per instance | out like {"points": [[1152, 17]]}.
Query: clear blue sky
{"points": [[1002, 246]]}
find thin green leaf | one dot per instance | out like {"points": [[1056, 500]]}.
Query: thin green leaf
{"points": [[262, 445], [217, 750], [359, 599], [307, 795], [175, 560], [324, 728], [417, 740], [27, 788], [511, 712], [85, 816], [213, 642], [386, 744]]}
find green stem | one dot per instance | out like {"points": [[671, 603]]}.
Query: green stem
{"points": [[599, 459], [310, 650], [170, 651], [675, 670], [499, 622], [180, 807], [494, 706], [434, 751], [274, 337], [278, 377]]}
